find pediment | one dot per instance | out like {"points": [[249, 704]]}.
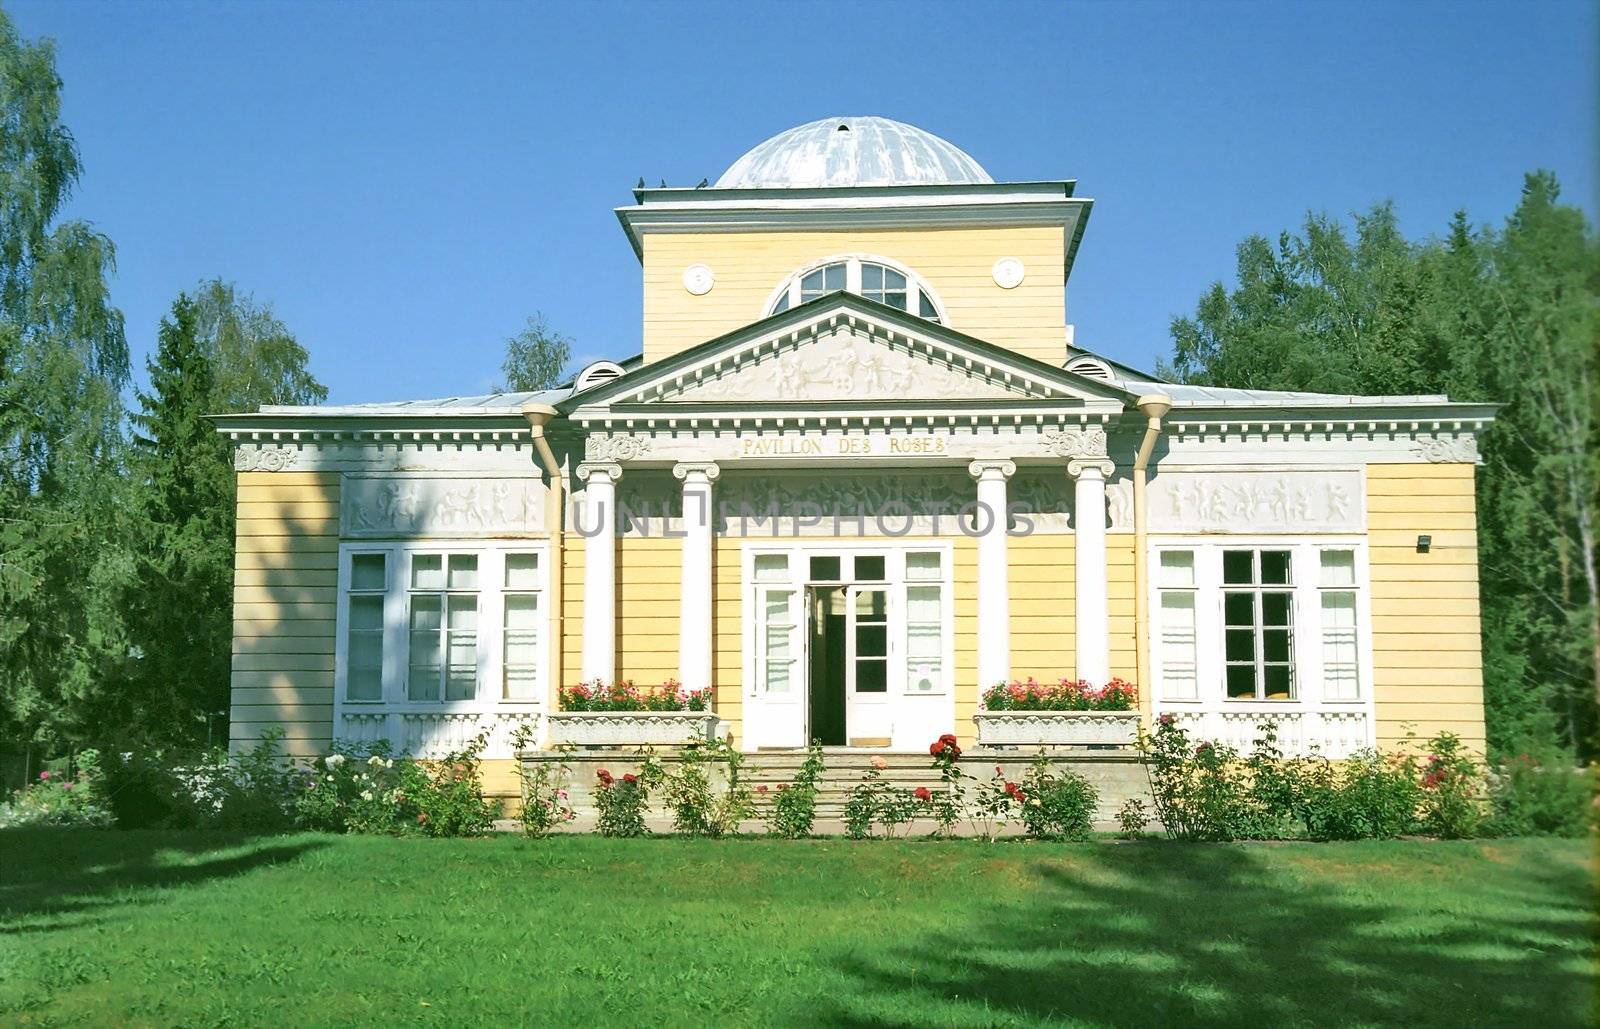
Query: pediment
{"points": [[851, 353], [841, 365]]}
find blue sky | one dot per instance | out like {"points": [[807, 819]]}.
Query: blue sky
{"points": [[405, 183]]}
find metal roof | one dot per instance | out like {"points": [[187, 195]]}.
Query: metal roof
{"points": [[853, 151]]}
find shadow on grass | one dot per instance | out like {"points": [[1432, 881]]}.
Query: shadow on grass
{"points": [[1213, 935], [56, 878]]}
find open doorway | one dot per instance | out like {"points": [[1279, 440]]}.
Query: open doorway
{"points": [[825, 608]]}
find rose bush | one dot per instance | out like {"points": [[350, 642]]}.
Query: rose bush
{"points": [[625, 696], [1064, 695]]}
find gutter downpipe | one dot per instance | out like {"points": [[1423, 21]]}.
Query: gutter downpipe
{"points": [[1153, 406], [538, 416]]}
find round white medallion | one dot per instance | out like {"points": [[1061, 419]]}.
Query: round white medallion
{"points": [[697, 279], [1008, 273]]}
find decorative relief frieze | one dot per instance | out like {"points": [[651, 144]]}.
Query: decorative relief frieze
{"points": [[1448, 449], [616, 448], [1119, 505], [265, 459], [844, 366], [650, 503], [1266, 501], [1076, 442], [412, 506]]}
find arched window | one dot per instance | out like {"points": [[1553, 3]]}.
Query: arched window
{"points": [[873, 279]]}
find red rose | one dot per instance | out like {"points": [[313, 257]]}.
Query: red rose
{"points": [[604, 777], [924, 794], [762, 788], [782, 786], [936, 748], [630, 777]]}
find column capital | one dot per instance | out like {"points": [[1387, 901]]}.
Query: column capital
{"points": [[691, 471], [1090, 468], [606, 471], [991, 469]]}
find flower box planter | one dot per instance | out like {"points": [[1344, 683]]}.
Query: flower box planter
{"points": [[1057, 728], [631, 728]]}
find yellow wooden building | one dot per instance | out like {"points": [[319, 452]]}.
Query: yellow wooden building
{"points": [[859, 472]]}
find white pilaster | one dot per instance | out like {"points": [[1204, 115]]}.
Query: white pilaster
{"points": [[694, 592], [599, 524], [1093, 645], [994, 604]]}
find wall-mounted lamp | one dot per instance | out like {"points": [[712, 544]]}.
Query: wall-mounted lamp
{"points": [[1424, 544]]}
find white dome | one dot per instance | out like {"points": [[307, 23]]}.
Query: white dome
{"points": [[853, 151]]}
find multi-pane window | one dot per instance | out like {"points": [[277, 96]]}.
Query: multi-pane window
{"points": [[869, 642], [1178, 640], [369, 582], [1258, 625], [924, 623], [519, 659], [1341, 678], [870, 279], [442, 618], [441, 623], [780, 630]]}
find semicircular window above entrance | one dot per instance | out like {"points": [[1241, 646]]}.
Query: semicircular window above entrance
{"points": [[875, 280]]}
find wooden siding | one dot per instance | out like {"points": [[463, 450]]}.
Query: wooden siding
{"points": [[284, 586], [1427, 648], [956, 264]]}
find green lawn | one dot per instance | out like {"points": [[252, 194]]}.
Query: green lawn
{"points": [[201, 929]]}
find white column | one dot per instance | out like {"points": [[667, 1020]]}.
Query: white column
{"points": [[1089, 524], [598, 523], [994, 604], [694, 591]]}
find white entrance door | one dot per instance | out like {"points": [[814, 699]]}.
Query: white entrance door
{"points": [[869, 705], [775, 715]]}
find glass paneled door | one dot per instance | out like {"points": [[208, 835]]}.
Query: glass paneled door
{"points": [[849, 645], [869, 714]]}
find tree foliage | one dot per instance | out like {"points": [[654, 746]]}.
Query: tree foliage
{"points": [[536, 357], [1509, 315], [63, 362], [218, 350]]}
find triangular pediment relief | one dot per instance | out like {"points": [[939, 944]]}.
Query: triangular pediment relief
{"points": [[853, 352], [843, 364]]}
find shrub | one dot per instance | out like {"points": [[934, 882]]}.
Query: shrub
{"points": [[1058, 806], [1540, 791], [625, 696], [448, 793], [698, 808], [1451, 788], [254, 792], [1132, 818], [950, 803], [379, 794], [61, 801], [546, 805], [1201, 792], [1065, 695], [1276, 788], [876, 801], [144, 792], [621, 803], [794, 807], [1366, 796]]}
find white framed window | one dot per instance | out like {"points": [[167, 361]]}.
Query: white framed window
{"points": [[1258, 624], [1177, 655], [1341, 661], [442, 625], [875, 278], [925, 622], [1259, 621], [363, 637], [522, 604]]}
